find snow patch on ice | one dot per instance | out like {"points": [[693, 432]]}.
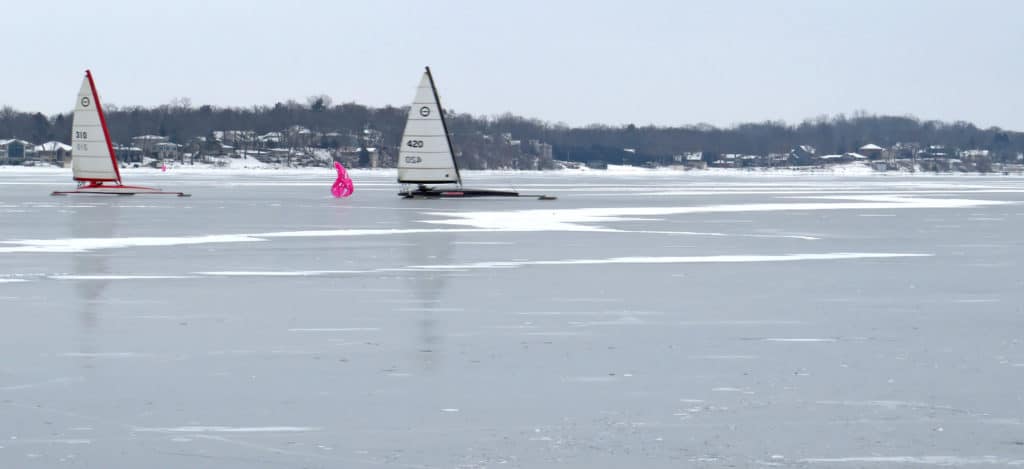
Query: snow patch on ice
{"points": [[732, 389], [46, 441], [724, 357], [672, 260], [891, 404], [600, 261], [88, 244], [18, 387], [556, 333], [104, 354], [273, 272], [570, 220], [590, 379], [797, 339], [923, 460], [117, 277], [747, 322], [224, 429], [333, 329]]}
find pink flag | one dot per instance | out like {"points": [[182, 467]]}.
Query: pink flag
{"points": [[343, 186]]}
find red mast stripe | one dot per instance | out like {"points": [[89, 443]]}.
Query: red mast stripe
{"points": [[103, 122]]}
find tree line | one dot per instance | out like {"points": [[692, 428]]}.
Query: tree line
{"points": [[477, 137]]}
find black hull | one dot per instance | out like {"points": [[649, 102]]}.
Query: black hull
{"points": [[430, 193]]}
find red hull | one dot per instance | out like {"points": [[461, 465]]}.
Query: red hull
{"points": [[117, 189]]}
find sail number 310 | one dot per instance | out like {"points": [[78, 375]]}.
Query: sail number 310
{"points": [[81, 134]]}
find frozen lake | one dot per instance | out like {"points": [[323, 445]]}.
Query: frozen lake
{"points": [[641, 320]]}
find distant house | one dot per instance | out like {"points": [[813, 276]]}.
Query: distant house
{"points": [[547, 151], [843, 158], [374, 156], [690, 160], [974, 154], [233, 137], [778, 158], [128, 154], [299, 136], [53, 152], [688, 157], [167, 151], [803, 154], [880, 166], [934, 151], [14, 151], [217, 148], [748, 161], [339, 140], [871, 151], [148, 142], [278, 155], [543, 150], [271, 139]]}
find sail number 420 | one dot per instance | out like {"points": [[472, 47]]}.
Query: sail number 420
{"points": [[414, 143]]}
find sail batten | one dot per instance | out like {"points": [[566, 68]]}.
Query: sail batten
{"points": [[92, 155], [425, 155]]}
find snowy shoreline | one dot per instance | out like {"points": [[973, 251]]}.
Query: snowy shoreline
{"points": [[857, 170]]}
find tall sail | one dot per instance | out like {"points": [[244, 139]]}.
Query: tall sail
{"points": [[426, 154], [92, 155]]}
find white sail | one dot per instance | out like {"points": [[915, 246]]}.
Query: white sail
{"points": [[91, 154], [426, 154]]}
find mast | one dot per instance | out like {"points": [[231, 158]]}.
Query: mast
{"points": [[444, 125], [103, 123]]}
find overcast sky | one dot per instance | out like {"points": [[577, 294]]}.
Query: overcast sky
{"points": [[669, 62]]}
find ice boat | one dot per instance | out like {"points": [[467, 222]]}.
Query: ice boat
{"points": [[425, 158], [93, 162]]}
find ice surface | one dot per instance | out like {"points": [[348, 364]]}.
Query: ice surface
{"points": [[948, 461], [644, 319], [521, 220], [672, 260], [117, 277], [223, 429]]}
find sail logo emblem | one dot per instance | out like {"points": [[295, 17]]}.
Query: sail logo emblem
{"points": [[85, 101], [424, 111]]}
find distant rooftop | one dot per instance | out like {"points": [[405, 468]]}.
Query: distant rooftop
{"points": [[52, 146]]}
